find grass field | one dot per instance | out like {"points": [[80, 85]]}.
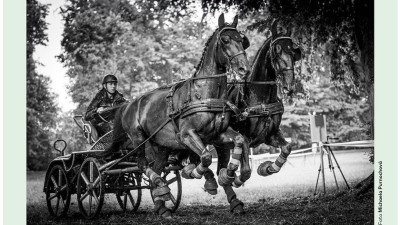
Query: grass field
{"points": [[283, 198]]}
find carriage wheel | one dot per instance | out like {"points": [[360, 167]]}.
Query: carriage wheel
{"points": [[90, 188], [174, 182], [58, 192], [129, 200]]}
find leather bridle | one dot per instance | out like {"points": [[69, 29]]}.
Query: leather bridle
{"points": [[219, 41], [274, 56]]}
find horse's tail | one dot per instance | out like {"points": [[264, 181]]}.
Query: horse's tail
{"points": [[119, 134]]}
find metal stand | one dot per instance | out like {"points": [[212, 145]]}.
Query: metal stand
{"points": [[331, 168], [330, 152]]}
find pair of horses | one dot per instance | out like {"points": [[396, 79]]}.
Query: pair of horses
{"points": [[205, 110]]}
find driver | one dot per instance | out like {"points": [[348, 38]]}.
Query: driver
{"points": [[107, 97]]}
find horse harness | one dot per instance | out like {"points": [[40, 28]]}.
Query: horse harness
{"points": [[264, 111], [259, 110], [190, 107]]}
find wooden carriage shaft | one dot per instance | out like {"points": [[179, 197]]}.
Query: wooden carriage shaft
{"points": [[125, 170], [126, 188], [136, 169]]}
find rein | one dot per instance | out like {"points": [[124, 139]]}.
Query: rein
{"points": [[259, 110], [253, 82]]}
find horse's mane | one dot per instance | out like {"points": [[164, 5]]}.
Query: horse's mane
{"points": [[168, 86], [204, 51], [259, 59]]}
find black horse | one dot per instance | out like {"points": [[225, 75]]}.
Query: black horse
{"points": [[272, 74], [188, 114]]}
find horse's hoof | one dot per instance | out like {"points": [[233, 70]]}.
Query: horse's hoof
{"points": [[237, 206], [211, 186], [262, 169], [237, 182], [161, 192], [224, 179], [245, 175], [212, 192], [165, 213], [187, 170]]}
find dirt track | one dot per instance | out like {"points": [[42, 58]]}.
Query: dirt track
{"points": [[283, 198], [333, 209]]}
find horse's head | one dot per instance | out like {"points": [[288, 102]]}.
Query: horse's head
{"points": [[284, 53], [230, 48]]}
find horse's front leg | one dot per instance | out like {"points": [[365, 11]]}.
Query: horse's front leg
{"points": [[191, 139], [160, 190], [240, 156], [223, 151], [268, 168]]}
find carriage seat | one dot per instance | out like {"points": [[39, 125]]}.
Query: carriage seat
{"points": [[92, 132]]}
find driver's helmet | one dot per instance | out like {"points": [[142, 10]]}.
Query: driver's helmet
{"points": [[109, 78]]}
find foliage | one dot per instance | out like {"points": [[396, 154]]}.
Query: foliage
{"points": [[347, 114], [67, 130], [40, 108], [141, 42], [35, 24]]}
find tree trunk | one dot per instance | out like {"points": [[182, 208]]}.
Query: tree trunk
{"points": [[364, 34], [365, 185]]}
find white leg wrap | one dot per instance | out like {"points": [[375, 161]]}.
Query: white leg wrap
{"points": [[235, 162], [195, 174], [281, 159], [236, 156], [277, 165], [238, 150], [151, 174]]}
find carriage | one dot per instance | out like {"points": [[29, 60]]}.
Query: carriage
{"points": [[91, 178]]}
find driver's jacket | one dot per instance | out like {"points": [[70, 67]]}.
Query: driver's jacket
{"points": [[102, 100]]}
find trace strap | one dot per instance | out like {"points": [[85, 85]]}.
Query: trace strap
{"points": [[253, 82], [264, 110]]}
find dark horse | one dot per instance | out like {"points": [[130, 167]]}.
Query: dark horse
{"points": [[188, 114], [272, 73]]}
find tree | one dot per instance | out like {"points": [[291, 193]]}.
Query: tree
{"points": [[41, 109], [347, 113], [144, 43], [67, 130]]}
